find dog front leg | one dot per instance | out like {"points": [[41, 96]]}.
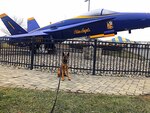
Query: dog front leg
{"points": [[63, 75], [68, 74]]}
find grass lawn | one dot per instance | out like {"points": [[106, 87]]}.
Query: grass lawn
{"points": [[17, 100]]}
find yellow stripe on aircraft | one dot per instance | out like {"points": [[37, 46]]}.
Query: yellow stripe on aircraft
{"points": [[97, 36], [3, 15], [32, 18], [109, 35], [86, 17], [93, 16], [11, 25], [102, 35]]}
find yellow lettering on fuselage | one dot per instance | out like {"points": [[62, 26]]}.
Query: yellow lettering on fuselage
{"points": [[83, 30], [109, 25]]}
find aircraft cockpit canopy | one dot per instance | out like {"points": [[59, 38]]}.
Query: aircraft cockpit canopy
{"points": [[99, 12]]}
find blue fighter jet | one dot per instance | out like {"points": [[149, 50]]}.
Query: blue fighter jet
{"points": [[94, 24]]}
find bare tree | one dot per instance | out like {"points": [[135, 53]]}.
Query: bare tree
{"points": [[19, 21], [5, 31]]}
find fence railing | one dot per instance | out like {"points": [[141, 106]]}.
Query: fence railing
{"points": [[86, 57]]}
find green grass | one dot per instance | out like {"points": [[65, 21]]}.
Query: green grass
{"points": [[17, 100]]}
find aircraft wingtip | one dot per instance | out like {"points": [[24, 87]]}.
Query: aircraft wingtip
{"points": [[3, 15], [32, 18]]}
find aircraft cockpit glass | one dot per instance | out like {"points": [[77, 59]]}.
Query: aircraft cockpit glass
{"points": [[99, 12], [107, 12]]}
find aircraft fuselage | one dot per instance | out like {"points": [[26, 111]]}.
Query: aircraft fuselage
{"points": [[110, 24]]}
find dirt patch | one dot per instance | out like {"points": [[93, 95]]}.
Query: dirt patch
{"points": [[146, 97]]}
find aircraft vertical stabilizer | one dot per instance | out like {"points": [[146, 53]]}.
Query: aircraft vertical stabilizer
{"points": [[32, 24], [11, 25]]}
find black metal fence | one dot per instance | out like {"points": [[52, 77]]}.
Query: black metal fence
{"points": [[86, 57]]}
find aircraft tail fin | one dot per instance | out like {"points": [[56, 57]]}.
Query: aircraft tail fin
{"points": [[32, 24], [11, 25]]}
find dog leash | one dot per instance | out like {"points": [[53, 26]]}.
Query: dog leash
{"points": [[52, 110]]}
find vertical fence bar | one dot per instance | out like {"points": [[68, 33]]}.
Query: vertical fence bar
{"points": [[132, 58], [94, 57], [144, 58], [147, 60], [32, 53], [141, 58]]}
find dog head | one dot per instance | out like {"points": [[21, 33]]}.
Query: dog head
{"points": [[65, 57]]}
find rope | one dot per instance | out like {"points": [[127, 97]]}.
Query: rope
{"points": [[52, 110]]}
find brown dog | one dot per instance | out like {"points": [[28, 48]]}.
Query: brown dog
{"points": [[63, 70]]}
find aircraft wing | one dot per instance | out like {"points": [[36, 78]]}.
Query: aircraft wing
{"points": [[65, 30], [33, 34]]}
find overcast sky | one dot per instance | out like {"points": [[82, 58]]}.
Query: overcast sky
{"points": [[46, 11]]}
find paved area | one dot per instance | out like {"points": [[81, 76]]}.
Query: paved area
{"points": [[32, 79]]}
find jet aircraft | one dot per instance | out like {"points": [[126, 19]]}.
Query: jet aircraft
{"points": [[94, 24]]}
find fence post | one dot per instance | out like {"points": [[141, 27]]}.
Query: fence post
{"points": [[32, 51], [94, 56]]}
